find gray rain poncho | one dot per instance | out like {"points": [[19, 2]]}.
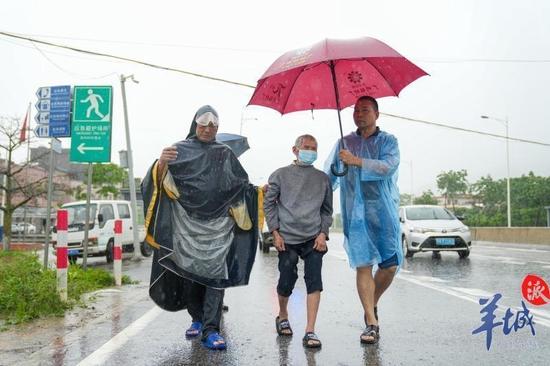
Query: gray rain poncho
{"points": [[202, 220], [369, 199]]}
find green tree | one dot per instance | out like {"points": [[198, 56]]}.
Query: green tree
{"points": [[529, 195], [427, 198], [405, 199], [79, 193], [451, 184], [490, 194], [107, 179]]}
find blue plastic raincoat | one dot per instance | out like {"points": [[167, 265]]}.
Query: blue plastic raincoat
{"points": [[369, 199]]}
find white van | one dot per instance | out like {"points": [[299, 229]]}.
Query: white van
{"points": [[101, 233]]}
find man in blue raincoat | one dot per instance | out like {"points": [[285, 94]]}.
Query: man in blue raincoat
{"points": [[370, 201]]}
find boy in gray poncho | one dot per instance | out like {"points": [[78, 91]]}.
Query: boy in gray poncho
{"points": [[298, 210]]}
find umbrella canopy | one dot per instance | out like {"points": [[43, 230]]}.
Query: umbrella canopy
{"points": [[237, 143], [332, 74]]}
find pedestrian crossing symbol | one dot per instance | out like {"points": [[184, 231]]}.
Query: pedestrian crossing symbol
{"points": [[91, 124]]}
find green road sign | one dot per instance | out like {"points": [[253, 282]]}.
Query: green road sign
{"points": [[91, 124]]}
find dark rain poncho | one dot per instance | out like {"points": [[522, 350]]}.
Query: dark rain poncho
{"points": [[202, 220]]}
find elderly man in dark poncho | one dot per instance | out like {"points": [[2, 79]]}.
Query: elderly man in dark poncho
{"points": [[201, 217]]}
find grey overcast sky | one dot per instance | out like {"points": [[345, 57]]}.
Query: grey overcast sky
{"points": [[474, 51]]}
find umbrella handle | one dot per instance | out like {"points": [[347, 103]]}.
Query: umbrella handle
{"points": [[334, 170]]}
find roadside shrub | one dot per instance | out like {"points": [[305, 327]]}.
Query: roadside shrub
{"points": [[27, 291]]}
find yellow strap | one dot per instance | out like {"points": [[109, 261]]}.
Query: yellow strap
{"points": [[149, 239], [261, 213], [170, 186], [241, 216]]}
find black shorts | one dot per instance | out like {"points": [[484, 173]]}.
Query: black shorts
{"points": [[390, 262], [288, 269]]}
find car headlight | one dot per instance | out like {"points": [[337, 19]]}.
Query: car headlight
{"points": [[464, 229], [420, 230]]}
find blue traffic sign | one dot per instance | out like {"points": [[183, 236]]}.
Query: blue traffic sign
{"points": [[60, 130], [52, 117], [55, 104], [52, 130], [47, 92], [54, 111]]}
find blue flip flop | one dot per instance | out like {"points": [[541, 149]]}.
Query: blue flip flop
{"points": [[194, 330], [214, 341]]}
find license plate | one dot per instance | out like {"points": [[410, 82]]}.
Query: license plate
{"points": [[445, 241], [73, 251]]}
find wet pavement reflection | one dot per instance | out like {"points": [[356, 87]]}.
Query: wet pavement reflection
{"points": [[426, 318]]}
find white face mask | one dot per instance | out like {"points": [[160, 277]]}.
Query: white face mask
{"points": [[307, 157]]}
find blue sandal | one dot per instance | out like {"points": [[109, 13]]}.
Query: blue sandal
{"points": [[194, 330], [214, 341]]}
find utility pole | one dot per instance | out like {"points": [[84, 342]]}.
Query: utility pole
{"points": [[87, 225], [131, 181], [508, 201], [49, 203]]}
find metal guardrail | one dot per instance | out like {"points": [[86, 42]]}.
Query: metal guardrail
{"points": [[28, 238]]}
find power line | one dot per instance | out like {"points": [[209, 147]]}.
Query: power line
{"points": [[67, 71], [172, 45], [100, 54], [64, 54], [94, 53], [249, 50], [465, 129]]}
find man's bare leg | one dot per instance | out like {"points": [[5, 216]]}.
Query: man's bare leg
{"points": [[366, 289], [313, 300], [383, 279], [283, 311]]}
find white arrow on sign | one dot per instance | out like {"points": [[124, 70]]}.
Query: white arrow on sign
{"points": [[42, 131], [42, 117], [43, 105], [82, 149], [43, 92]]}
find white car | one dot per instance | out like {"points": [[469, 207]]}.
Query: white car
{"points": [[23, 227], [427, 228], [16, 229]]}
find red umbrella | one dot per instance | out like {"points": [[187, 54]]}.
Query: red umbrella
{"points": [[332, 74]]}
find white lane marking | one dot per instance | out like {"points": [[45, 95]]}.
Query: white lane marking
{"points": [[473, 292], [102, 354], [540, 312], [541, 317], [430, 278], [533, 250], [540, 262], [506, 260]]}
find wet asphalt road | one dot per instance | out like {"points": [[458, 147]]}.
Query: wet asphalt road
{"points": [[426, 318]]}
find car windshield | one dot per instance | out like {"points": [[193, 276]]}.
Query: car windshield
{"points": [[428, 213], [77, 215]]}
